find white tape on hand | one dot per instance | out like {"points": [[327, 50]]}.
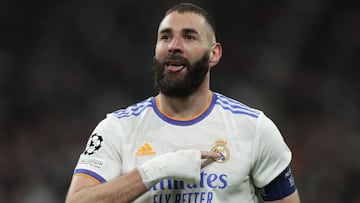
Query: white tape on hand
{"points": [[182, 164]]}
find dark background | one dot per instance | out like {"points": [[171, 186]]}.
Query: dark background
{"points": [[65, 64]]}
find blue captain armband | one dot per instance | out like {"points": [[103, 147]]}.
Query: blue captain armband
{"points": [[281, 187]]}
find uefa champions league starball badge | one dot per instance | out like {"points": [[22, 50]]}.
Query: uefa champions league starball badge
{"points": [[220, 147], [93, 144]]}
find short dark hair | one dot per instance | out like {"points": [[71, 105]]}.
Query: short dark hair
{"points": [[192, 8]]}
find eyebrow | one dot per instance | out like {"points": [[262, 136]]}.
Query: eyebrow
{"points": [[183, 31], [189, 31]]}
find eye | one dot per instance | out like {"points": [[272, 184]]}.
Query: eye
{"points": [[164, 37], [189, 37]]}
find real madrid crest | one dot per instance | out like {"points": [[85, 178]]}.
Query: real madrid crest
{"points": [[220, 147]]}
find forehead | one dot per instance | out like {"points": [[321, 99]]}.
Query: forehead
{"points": [[179, 21]]}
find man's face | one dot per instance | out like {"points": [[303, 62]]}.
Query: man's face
{"points": [[182, 51]]}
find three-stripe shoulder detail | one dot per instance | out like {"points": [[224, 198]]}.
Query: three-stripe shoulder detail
{"points": [[133, 110], [236, 107]]}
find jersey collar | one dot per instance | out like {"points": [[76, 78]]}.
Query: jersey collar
{"points": [[187, 121]]}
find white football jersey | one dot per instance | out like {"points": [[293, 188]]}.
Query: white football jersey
{"points": [[252, 150]]}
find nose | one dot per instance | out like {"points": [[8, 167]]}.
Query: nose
{"points": [[175, 45]]}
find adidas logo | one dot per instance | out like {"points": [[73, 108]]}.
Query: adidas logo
{"points": [[145, 150]]}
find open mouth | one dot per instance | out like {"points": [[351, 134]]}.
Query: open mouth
{"points": [[174, 66]]}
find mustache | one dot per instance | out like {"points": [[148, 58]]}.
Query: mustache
{"points": [[175, 57]]}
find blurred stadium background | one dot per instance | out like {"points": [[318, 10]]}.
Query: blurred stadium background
{"points": [[65, 64]]}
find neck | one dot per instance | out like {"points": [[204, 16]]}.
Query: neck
{"points": [[185, 107]]}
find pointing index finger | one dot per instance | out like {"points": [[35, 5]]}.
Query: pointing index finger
{"points": [[210, 157]]}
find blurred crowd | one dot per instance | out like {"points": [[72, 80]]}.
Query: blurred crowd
{"points": [[65, 64]]}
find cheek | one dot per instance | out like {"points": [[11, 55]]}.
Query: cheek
{"points": [[196, 54], [160, 51]]}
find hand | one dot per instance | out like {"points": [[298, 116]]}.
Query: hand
{"points": [[182, 164], [209, 157]]}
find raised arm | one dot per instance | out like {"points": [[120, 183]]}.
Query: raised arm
{"points": [[183, 164], [125, 188]]}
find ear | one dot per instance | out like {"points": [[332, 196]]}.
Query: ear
{"points": [[215, 54]]}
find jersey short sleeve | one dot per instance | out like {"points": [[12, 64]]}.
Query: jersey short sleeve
{"points": [[271, 154], [101, 159]]}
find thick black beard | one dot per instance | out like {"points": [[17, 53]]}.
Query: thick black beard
{"points": [[179, 88]]}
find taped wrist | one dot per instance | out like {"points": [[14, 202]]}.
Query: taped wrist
{"points": [[182, 164]]}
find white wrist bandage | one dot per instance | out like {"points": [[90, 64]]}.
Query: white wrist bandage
{"points": [[183, 164]]}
